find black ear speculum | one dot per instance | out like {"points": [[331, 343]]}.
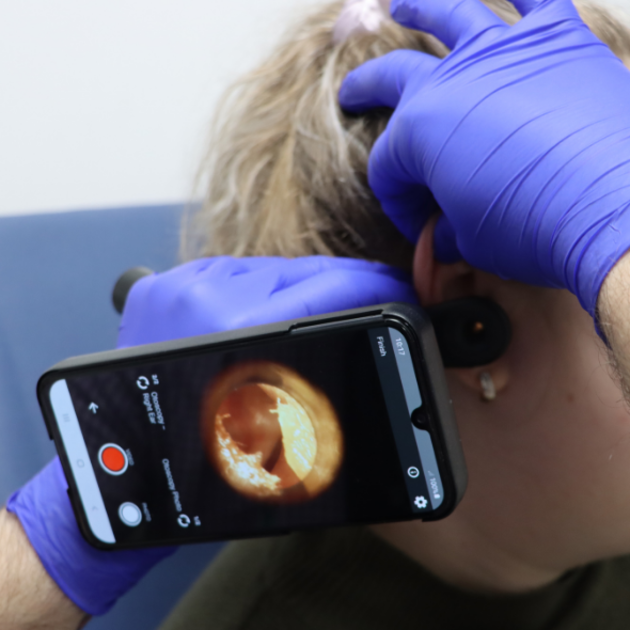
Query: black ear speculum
{"points": [[470, 331]]}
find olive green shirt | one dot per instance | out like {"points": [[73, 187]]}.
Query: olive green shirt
{"points": [[348, 579]]}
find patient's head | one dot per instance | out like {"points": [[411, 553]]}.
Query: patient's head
{"points": [[286, 169], [285, 172], [549, 460]]}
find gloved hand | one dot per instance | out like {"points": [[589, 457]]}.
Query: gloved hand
{"points": [[203, 296], [521, 133], [91, 578], [216, 294]]}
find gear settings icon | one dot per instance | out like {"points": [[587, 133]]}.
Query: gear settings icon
{"points": [[420, 502]]}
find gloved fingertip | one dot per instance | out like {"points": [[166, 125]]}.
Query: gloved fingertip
{"points": [[445, 248], [409, 224], [402, 275], [347, 94], [402, 13]]}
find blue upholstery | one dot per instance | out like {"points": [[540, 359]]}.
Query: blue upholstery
{"points": [[56, 276]]}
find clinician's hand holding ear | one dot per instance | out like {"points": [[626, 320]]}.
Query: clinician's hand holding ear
{"points": [[522, 134], [204, 296]]}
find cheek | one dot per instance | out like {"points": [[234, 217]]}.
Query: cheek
{"points": [[524, 377], [550, 457], [558, 436], [520, 439]]}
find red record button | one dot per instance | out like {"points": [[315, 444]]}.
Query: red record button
{"points": [[113, 459]]}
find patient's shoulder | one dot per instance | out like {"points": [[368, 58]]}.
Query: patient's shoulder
{"points": [[326, 580], [347, 579]]}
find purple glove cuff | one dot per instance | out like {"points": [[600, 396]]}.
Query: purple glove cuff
{"points": [[604, 246]]}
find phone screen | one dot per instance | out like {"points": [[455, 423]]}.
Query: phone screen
{"points": [[307, 430]]}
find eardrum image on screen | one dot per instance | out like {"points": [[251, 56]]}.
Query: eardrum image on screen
{"points": [[270, 434]]}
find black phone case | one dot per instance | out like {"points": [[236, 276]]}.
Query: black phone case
{"points": [[412, 320]]}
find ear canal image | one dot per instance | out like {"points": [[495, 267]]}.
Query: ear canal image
{"points": [[271, 434]]}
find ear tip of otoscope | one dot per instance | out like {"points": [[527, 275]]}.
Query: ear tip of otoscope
{"points": [[124, 283]]}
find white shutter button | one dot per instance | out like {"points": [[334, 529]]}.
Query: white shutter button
{"points": [[130, 514]]}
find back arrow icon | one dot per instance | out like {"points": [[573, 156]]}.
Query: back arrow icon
{"points": [[93, 407]]}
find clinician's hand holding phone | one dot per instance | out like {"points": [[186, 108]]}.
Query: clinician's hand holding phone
{"points": [[308, 423], [42, 505]]}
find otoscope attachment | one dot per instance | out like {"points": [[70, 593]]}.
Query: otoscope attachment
{"points": [[470, 331], [124, 283]]}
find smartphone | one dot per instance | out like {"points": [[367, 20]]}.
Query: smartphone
{"points": [[342, 419]]}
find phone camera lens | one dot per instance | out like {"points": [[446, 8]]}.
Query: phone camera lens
{"points": [[419, 419]]}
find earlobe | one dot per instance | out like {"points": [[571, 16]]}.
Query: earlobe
{"points": [[488, 382]]}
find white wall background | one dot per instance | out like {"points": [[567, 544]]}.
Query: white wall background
{"points": [[107, 102]]}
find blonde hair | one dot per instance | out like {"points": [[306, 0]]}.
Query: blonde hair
{"points": [[286, 169]]}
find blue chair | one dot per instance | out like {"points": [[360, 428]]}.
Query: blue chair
{"points": [[57, 272]]}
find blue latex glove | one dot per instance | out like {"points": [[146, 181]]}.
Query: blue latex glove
{"points": [[203, 296], [217, 294], [521, 133], [91, 578]]}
